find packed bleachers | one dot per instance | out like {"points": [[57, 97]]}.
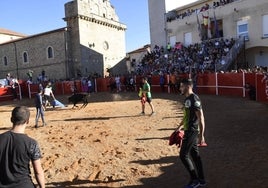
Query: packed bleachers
{"points": [[201, 57]]}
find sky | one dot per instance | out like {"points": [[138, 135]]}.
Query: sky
{"points": [[37, 16]]}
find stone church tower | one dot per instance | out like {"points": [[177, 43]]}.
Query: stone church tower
{"points": [[157, 12], [96, 38]]}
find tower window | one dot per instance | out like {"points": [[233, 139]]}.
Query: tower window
{"points": [[50, 52], [5, 61], [25, 57]]}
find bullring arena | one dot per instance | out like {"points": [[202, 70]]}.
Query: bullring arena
{"points": [[108, 144]]}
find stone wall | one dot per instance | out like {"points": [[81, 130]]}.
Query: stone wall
{"points": [[36, 48], [157, 10], [97, 38]]}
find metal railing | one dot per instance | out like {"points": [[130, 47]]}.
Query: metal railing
{"points": [[226, 61]]}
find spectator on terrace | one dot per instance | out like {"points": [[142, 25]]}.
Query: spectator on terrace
{"points": [[169, 47]]}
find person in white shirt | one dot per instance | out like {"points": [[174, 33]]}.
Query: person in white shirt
{"points": [[89, 85], [48, 93], [118, 83]]}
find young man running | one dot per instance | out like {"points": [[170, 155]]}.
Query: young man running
{"points": [[146, 90], [194, 126]]}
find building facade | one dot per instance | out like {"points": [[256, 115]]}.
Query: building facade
{"points": [[237, 18], [92, 41], [7, 35], [157, 22], [42, 52], [96, 37]]}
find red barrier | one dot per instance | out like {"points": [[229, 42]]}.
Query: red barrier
{"points": [[6, 93], [103, 84], [206, 84], [231, 84], [261, 88]]}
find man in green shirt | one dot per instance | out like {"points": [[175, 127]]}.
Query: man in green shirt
{"points": [[146, 90]]}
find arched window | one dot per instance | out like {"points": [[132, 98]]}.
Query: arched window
{"points": [[5, 61], [96, 9], [50, 52], [105, 14], [25, 57]]}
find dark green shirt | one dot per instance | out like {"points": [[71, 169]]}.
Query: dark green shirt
{"points": [[191, 104]]}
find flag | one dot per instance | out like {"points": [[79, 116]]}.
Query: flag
{"points": [[199, 27], [216, 27], [205, 20], [209, 28]]}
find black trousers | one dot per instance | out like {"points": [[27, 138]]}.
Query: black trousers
{"points": [[190, 157]]}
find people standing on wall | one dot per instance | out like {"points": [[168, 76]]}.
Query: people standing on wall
{"points": [[8, 79], [30, 75], [13, 83]]}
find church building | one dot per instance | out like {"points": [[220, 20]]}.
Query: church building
{"points": [[92, 42]]}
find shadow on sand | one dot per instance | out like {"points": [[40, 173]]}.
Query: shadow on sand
{"points": [[75, 183]]}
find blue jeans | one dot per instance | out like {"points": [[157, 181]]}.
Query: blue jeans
{"points": [[39, 112]]}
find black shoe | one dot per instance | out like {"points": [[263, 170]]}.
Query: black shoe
{"points": [[202, 183], [193, 184], [36, 126]]}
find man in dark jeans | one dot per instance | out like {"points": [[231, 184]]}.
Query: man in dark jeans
{"points": [[194, 126]]}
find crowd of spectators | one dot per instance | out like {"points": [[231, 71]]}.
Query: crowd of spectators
{"points": [[204, 8], [200, 57]]}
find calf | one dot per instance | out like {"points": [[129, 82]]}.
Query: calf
{"points": [[79, 97]]}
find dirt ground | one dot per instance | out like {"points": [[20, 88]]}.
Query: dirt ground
{"points": [[108, 144]]}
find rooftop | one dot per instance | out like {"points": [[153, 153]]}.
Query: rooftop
{"points": [[9, 32], [139, 50], [36, 35]]}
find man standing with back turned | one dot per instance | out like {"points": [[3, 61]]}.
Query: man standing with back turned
{"points": [[194, 126], [16, 152]]}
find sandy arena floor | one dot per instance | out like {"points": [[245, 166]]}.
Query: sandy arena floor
{"points": [[108, 144]]}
